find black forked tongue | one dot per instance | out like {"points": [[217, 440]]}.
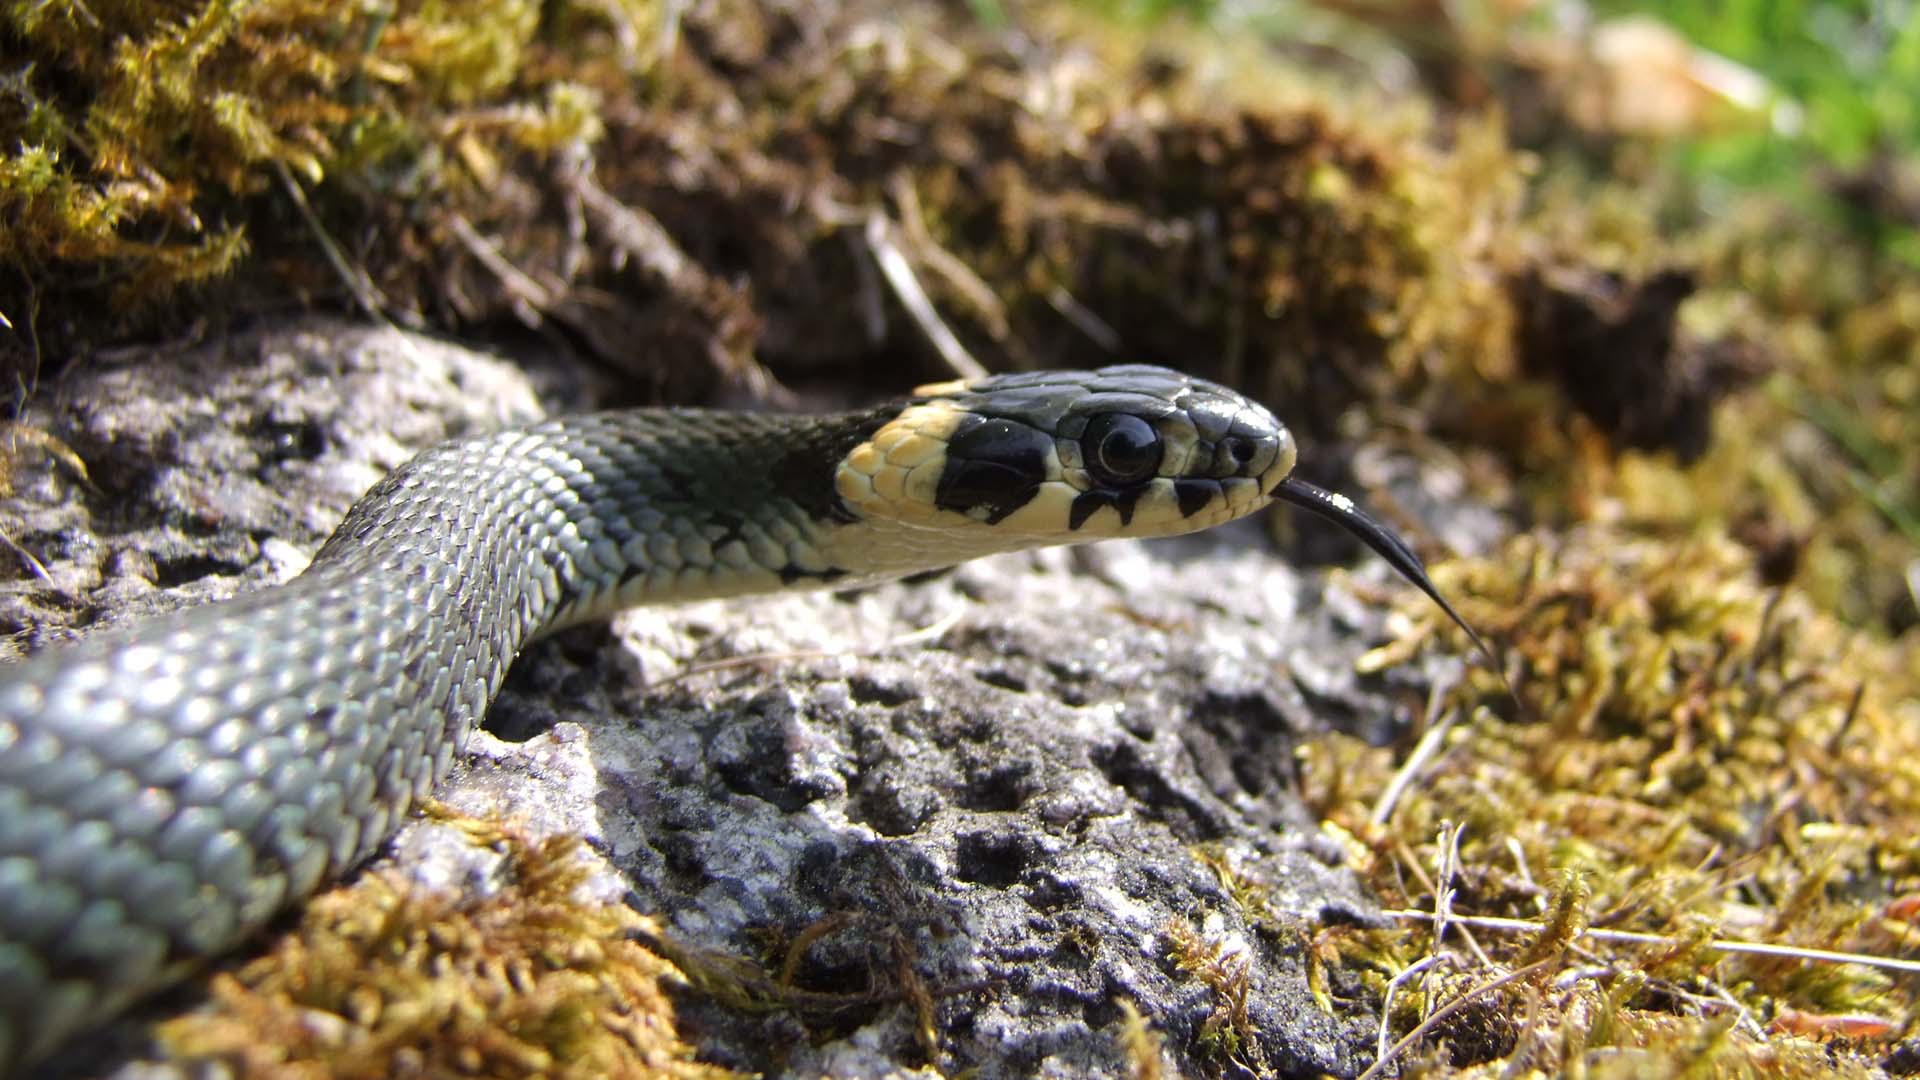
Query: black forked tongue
{"points": [[1341, 511]]}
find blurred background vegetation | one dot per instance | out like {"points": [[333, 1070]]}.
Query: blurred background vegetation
{"points": [[1831, 88]]}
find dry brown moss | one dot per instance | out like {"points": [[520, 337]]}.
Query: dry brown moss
{"points": [[466, 162], [383, 980], [1226, 1038], [1707, 757], [151, 146]]}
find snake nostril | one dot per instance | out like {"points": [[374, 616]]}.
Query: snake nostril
{"points": [[1240, 450]]}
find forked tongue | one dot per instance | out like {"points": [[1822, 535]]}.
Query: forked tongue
{"points": [[1341, 511]]}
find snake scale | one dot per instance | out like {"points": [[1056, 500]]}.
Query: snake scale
{"points": [[165, 789]]}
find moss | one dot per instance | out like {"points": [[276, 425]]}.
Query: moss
{"points": [[145, 144], [153, 146], [1710, 758], [1226, 1037], [1141, 1044], [383, 980]]}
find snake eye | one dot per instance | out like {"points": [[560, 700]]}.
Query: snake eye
{"points": [[1120, 449]]}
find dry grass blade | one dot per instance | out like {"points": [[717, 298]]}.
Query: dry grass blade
{"points": [[1442, 1014], [1718, 945], [898, 271]]}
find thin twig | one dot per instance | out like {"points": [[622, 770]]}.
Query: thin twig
{"points": [[899, 274], [1441, 1014], [1393, 986], [1721, 995], [530, 298], [1423, 751], [16, 435], [1634, 937], [869, 299], [33, 563], [1443, 899], [1084, 319], [358, 282], [635, 232], [1520, 864], [1411, 862], [1449, 840], [913, 227]]}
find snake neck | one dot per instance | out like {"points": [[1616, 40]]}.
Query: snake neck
{"points": [[570, 521]]}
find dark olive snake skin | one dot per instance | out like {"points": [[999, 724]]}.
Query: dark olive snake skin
{"points": [[167, 788]]}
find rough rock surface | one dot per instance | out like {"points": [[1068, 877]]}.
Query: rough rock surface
{"points": [[1022, 797]]}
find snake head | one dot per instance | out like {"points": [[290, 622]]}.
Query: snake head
{"points": [[1023, 460], [1061, 457]]}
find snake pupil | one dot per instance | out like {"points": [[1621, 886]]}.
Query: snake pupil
{"points": [[1125, 449]]}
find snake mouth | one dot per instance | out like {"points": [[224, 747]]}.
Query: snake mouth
{"points": [[1276, 470]]}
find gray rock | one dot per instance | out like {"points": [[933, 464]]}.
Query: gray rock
{"points": [[222, 467], [1019, 799]]}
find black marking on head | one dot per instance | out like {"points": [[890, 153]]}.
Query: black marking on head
{"points": [[1087, 503], [992, 464], [1195, 495], [1084, 504]]}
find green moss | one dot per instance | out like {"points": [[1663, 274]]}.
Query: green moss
{"points": [[144, 142], [1226, 1037], [383, 980]]}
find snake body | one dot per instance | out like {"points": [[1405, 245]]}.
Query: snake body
{"points": [[167, 788]]}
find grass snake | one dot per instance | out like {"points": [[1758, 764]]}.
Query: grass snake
{"points": [[166, 788]]}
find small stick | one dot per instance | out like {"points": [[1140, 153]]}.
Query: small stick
{"points": [[1635, 937]]}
